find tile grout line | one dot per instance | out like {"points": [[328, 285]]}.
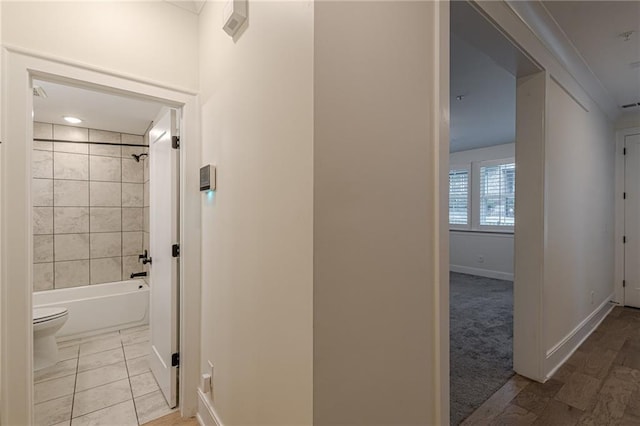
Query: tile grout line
{"points": [[53, 210], [89, 199], [122, 273], [75, 383], [135, 408]]}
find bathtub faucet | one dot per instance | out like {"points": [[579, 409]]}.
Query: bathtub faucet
{"points": [[138, 274]]}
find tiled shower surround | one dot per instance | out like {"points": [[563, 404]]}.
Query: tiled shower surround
{"points": [[88, 207]]}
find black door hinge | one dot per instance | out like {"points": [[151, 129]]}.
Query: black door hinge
{"points": [[624, 283], [624, 151], [624, 240], [624, 195], [175, 142], [175, 359], [175, 250]]}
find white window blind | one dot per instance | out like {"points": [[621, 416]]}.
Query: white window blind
{"points": [[458, 197], [497, 194]]}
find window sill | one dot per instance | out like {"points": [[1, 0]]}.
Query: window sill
{"points": [[480, 231]]}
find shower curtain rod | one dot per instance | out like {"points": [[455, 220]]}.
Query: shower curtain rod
{"points": [[89, 142]]}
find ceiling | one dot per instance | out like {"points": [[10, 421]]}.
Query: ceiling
{"points": [[194, 6], [97, 110], [486, 115], [594, 28]]}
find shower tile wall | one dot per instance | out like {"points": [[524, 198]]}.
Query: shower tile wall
{"points": [[88, 204]]}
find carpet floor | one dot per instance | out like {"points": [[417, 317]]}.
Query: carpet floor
{"points": [[481, 333]]}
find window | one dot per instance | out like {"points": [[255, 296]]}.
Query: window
{"points": [[459, 197], [497, 194], [482, 195]]}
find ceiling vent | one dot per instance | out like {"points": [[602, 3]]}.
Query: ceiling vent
{"points": [[627, 106], [39, 92]]}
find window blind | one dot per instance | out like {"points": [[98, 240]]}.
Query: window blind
{"points": [[458, 197], [497, 195]]}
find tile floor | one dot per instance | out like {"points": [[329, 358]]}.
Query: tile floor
{"points": [[598, 385], [101, 380]]}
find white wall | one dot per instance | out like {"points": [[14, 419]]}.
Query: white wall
{"points": [[1, 138], [377, 217], [257, 235], [579, 250], [481, 253], [628, 120], [496, 152], [151, 40], [569, 249]]}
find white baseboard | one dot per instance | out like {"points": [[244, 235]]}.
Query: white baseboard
{"points": [[499, 275], [207, 415], [561, 351]]}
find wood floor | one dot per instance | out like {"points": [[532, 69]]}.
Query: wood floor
{"points": [[173, 419], [599, 384]]}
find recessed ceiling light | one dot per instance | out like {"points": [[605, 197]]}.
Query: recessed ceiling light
{"points": [[72, 120]]}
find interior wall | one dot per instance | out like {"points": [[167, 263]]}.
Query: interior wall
{"points": [[1, 152], [152, 40], [483, 254], [476, 252], [257, 128], [567, 251], [376, 177], [628, 120], [579, 250]]}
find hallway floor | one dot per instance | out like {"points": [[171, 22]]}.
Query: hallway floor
{"points": [[101, 380], [598, 385]]}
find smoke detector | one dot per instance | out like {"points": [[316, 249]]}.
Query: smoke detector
{"points": [[234, 15], [626, 36]]}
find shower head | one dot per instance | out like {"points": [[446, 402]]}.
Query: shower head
{"points": [[139, 156]]}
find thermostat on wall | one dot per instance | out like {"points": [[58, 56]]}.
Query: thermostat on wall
{"points": [[207, 177]]}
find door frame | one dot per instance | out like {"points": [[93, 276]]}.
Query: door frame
{"points": [[619, 212], [16, 251]]}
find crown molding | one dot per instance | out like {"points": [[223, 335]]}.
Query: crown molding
{"points": [[542, 24]]}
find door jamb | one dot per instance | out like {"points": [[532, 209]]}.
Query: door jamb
{"points": [[619, 212], [19, 67]]}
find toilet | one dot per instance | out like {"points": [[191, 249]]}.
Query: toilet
{"points": [[46, 323]]}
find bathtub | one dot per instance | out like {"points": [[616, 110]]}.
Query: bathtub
{"points": [[98, 308]]}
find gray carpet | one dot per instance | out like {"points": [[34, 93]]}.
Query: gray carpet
{"points": [[481, 340]]}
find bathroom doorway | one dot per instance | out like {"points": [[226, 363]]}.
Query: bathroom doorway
{"points": [[105, 174], [78, 231]]}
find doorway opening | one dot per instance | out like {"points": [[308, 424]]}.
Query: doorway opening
{"points": [[484, 70], [631, 232], [17, 220], [105, 206]]}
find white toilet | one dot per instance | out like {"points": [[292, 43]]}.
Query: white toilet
{"points": [[46, 323]]}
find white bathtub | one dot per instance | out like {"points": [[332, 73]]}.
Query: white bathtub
{"points": [[99, 308]]}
